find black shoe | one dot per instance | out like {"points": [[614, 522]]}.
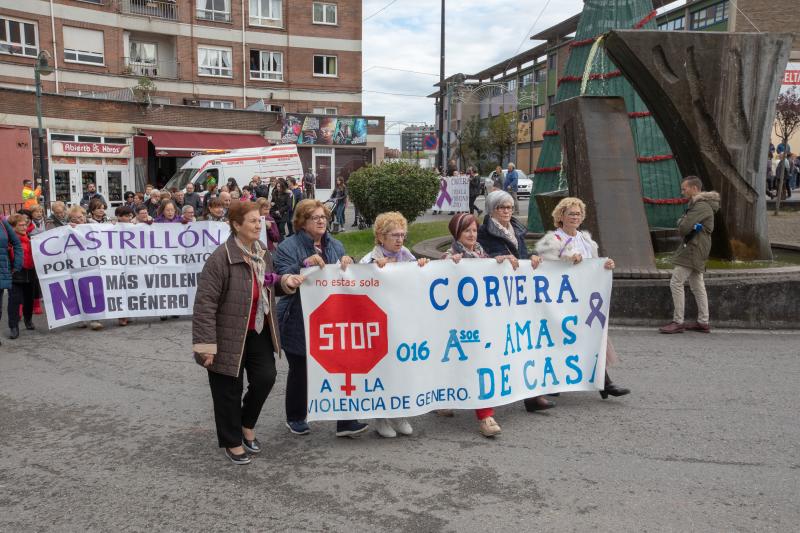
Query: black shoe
{"points": [[13, 333], [538, 404], [555, 394], [350, 428], [163, 318], [612, 389], [29, 324], [252, 446], [241, 459]]}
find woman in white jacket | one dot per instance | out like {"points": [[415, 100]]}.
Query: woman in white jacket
{"points": [[568, 243]]}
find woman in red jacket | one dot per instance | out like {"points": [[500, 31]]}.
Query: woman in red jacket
{"points": [[23, 282]]}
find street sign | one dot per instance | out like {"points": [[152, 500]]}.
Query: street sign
{"points": [[347, 335], [431, 143]]}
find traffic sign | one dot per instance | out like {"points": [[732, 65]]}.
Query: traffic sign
{"points": [[348, 335], [431, 142]]}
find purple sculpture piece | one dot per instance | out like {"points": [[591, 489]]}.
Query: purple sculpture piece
{"points": [[713, 95], [601, 170]]}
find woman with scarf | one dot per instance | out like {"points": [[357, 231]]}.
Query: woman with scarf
{"points": [[391, 230], [310, 245], [24, 280], [237, 288], [96, 212], [568, 243], [503, 235], [464, 229]]}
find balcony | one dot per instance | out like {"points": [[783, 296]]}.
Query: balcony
{"points": [[152, 69], [160, 9]]}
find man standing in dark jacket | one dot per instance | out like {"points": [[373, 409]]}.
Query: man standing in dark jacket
{"points": [[260, 189], [90, 194], [695, 226], [192, 198]]}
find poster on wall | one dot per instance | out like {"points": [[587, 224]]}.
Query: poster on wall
{"points": [[324, 130], [791, 78]]}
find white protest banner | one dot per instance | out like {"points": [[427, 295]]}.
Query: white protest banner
{"points": [[101, 271], [453, 194], [404, 340]]}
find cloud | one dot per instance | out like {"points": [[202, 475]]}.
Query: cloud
{"points": [[479, 34]]}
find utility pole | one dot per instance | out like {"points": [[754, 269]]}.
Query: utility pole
{"points": [[440, 162]]}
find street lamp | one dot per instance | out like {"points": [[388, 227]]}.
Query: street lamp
{"points": [[42, 68]]}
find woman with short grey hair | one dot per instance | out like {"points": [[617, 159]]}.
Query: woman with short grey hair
{"points": [[502, 235]]}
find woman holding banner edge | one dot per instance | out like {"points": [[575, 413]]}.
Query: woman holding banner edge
{"points": [[501, 234], [234, 328], [391, 230], [568, 243], [310, 245]]}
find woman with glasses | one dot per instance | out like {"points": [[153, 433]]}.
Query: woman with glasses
{"points": [[503, 235], [568, 243], [391, 230], [310, 245]]}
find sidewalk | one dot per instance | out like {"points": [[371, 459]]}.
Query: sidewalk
{"points": [[784, 228]]}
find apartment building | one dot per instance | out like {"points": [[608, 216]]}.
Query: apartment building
{"points": [[525, 85], [412, 138], [298, 56], [291, 64]]}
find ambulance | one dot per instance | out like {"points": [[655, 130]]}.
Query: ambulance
{"points": [[269, 162]]}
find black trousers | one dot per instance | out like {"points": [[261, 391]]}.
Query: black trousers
{"points": [[231, 411], [297, 390], [472, 206], [21, 293]]}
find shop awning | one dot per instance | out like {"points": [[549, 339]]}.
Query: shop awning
{"points": [[190, 144]]}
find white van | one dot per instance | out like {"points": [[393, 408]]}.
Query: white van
{"points": [[269, 162]]}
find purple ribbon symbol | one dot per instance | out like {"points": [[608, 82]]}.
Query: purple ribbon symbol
{"points": [[596, 306], [443, 194]]}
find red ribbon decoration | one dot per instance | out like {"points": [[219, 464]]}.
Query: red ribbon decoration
{"points": [[665, 201], [592, 77], [639, 114], [639, 25], [550, 133], [583, 42], [546, 169], [655, 158]]}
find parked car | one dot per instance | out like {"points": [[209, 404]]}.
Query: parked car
{"points": [[525, 186]]}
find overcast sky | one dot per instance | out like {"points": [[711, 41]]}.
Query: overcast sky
{"points": [[405, 35]]}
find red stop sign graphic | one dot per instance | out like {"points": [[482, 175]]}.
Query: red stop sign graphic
{"points": [[347, 335]]}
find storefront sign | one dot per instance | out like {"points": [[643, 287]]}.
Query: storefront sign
{"points": [[66, 148], [324, 130], [791, 78], [404, 340]]}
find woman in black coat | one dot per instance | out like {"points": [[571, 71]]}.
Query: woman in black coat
{"points": [[281, 202], [502, 235]]}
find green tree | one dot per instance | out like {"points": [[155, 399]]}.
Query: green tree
{"points": [[472, 144], [501, 136], [396, 186]]}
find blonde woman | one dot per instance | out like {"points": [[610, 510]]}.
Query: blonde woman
{"points": [[568, 243], [391, 230]]}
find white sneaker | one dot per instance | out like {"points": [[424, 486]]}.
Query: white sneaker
{"points": [[95, 325], [384, 428], [402, 426]]}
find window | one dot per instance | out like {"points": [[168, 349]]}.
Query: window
{"points": [[61, 137], [143, 53], [217, 104], [325, 66], [83, 46], [538, 111], [551, 61], [541, 75], [324, 13], [551, 100], [274, 108], [214, 62], [266, 13], [326, 111], [266, 65], [708, 16], [527, 79], [216, 10], [512, 85], [115, 140], [674, 24], [89, 139], [18, 37]]}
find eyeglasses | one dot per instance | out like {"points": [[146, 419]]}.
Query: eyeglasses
{"points": [[504, 207], [397, 236], [318, 218]]}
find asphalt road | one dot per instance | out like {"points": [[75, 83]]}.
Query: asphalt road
{"points": [[113, 430]]}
